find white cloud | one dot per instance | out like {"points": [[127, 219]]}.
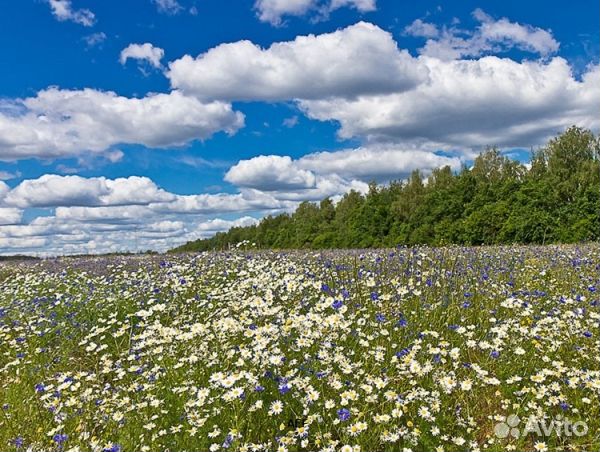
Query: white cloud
{"points": [[360, 59], [208, 228], [209, 204], [273, 11], [491, 36], [95, 39], [290, 122], [144, 52], [63, 11], [59, 123], [358, 77], [102, 215], [51, 190], [323, 174], [472, 104], [10, 215], [380, 163], [4, 189], [422, 29], [168, 6], [7, 175], [270, 172], [47, 236]]}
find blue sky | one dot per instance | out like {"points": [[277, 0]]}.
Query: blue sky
{"points": [[185, 95]]}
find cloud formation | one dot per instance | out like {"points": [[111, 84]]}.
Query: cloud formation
{"points": [[51, 190], [322, 171], [357, 60], [470, 104], [60, 123], [273, 11], [63, 11], [490, 36], [170, 7], [142, 52], [270, 172]]}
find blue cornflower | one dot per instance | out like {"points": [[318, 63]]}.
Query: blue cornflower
{"points": [[337, 304], [60, 438], [113, 448], [325, 288], [18, 441], [227, 442], [564, 406], [284, 388], [345, 293], [343, 414], [402, 322], [495, 354], [40, 387], [588, 334], [259, 388], [380, 317], [374, 296], [403, 352]]}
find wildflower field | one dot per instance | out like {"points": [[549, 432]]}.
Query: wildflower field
{"points": [[416, 349]]}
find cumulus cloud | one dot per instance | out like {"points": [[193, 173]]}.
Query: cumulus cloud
{"points": [[210, 227], [219, 203], [323, 174], [101, 215], [4, 189], [270, 172], [63, 11], [142, 52], [273, 11], [48, 236], [379, 163], [51, 190], [97, 214], [472, 104], [491, 36], [59, 123], [438, 102], [360, 59], [421, 29], [10, 215]]}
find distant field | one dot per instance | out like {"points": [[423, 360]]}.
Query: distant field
{"points": [[422, 349]]}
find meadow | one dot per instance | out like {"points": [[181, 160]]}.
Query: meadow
{"points": [[421, 349]]}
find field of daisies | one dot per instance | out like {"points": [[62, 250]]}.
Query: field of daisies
{"points": [[415, 349]]}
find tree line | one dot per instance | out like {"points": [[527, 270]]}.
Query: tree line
{"points": [[553, 199]]}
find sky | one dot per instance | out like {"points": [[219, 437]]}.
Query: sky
{"points": [[143, 124]]}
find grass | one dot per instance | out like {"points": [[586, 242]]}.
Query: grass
{"points": [[427, 349]]}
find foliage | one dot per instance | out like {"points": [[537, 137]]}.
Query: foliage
{"points": [[497, 201]]}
